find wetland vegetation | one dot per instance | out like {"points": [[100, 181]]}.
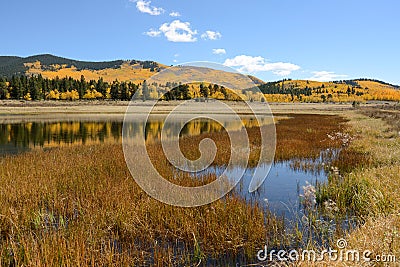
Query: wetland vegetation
{"points": [[78, 205]]}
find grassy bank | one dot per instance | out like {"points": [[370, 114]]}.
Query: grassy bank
{"points": [[370, 190]]}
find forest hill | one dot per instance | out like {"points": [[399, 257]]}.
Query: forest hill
{"points": [[37, 87]]}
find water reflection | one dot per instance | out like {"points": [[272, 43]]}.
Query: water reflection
{"points": [[280, 191], [20, 137]]}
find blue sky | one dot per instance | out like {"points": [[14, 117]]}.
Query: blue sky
{"points": [[271, 39]]}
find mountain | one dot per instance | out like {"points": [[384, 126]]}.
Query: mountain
{"points": [[50, 66], [136, 71]]}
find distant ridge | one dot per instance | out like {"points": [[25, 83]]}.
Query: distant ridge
{"points": [[13, 65], [50, 66]]}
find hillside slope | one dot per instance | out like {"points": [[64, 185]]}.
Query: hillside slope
{"points": [[50, 66], [335, 91]]}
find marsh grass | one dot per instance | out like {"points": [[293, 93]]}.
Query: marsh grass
{"points": [[92, 213], [79, 206], [305, 136], [298, 136]]}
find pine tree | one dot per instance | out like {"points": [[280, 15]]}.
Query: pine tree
{"points": [[16, 88], [115, 90], [204, 92], [34, 90]]}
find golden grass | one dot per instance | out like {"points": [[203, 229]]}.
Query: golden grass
{"points": [[370, 182], [91, 212]]}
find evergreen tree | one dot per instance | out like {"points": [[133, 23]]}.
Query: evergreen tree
{"points": [[82, 87], [16, 88], [34, 89], [114, 91], [204, 92], [124, 91], [101, 86]]}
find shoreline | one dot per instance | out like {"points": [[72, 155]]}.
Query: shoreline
{"points": [[106, 112], [14, 111], [12, 108]]}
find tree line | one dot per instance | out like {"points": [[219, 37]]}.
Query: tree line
{"points": [[39, 88]]}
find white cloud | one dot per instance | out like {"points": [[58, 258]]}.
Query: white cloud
{"points": [[178, 31], [326, 76], [257, 64], [219, 51], [211, 35], [175, 14], [144, 7], [152, 33]]}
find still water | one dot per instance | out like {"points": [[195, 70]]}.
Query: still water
{"points": [[279, 192]]}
